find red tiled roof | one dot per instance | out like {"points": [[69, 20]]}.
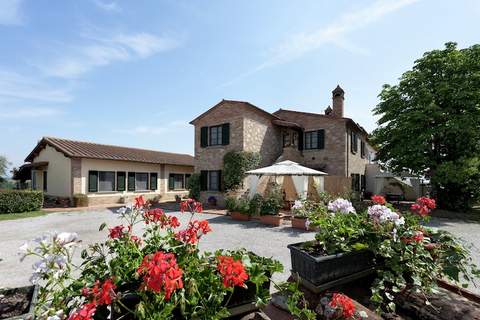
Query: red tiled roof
{"points": [[81, 149]]}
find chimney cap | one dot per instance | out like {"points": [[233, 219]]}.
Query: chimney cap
{"points": [[338, 91]]}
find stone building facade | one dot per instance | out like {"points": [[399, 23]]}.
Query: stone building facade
{"points": [[327, 142]]}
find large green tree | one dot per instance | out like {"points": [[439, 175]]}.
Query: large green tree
{"points": [[3, 167], [430, 124]]}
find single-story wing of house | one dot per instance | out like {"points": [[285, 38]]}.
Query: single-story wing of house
{"points": [[106, 174]]}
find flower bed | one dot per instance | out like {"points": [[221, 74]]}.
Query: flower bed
{"points": [[408, 256], [159, 275]]}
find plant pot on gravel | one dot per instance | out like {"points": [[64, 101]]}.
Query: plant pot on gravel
{"points": [[18, 303], [80, 200], [239, 216], [319, 269], [274, 220], [300, 223]]}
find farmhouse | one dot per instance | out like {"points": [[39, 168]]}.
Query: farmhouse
{"points": [[106, 174]]}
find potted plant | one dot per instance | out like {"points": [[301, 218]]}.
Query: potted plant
{"points": [[212, 201], [405, 255], [160, 275], [270, 207], [80, 200], [18, 303], [238, 208], [302, 210]]}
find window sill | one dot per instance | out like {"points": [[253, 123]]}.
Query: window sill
{"points": [[217, 146]]}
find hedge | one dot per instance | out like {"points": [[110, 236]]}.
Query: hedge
{"points": [[16, 201]]}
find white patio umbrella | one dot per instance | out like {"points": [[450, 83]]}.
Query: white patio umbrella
{"points": [[298, 173]]}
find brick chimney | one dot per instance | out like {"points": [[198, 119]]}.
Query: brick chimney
{"points": [[338, 95]]}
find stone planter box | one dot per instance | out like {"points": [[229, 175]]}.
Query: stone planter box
{"points": [[18, 303], [319, 270], [274, 220], [239, 216]]}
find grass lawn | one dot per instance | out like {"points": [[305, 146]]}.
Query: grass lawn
{"points": [[15, 216]]}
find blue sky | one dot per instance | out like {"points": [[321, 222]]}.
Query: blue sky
{"points": [[134, 73]]}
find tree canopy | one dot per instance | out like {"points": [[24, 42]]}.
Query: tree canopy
{"points": [[3, 167], [430, 124]]}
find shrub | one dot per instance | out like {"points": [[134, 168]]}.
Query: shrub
{"points": [[80, 200], [15, 201], [235, 164], [193, 186], [255, 204], [231, 203], [273, 201]]}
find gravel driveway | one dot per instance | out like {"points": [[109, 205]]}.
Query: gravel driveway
{"points": [[228, 234]]}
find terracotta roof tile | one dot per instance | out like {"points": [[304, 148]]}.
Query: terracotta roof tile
{"points": [[81, 149]]}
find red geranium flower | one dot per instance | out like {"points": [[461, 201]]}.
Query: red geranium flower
{"points": [[345, 303], [85, 313], [191, 206], [161, 273], [101, 294], [139, 202], [423, 206], [119, 231], [378, 199], [417, 237], [158, 216], [195, 230], [136, 239], [232, 271]]}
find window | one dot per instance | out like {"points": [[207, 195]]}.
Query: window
{"points": [[106, 181], [353, 142], [362, 149], [141, 181], [215, 136], [315, 139], [153, 181], [214, 180], [187, 176], [176, 181], [120, 181], [44, 180]]}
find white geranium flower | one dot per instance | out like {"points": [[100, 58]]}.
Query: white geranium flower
{"points": [[298, 204], [400, 221], [23, 251], [64, 238], [341, 205], [122, 210]]}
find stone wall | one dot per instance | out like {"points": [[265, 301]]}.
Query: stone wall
{"points": [[76, 175], [260, 135]]}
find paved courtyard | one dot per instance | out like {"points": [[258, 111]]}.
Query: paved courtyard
{"points": [[228, 234]]}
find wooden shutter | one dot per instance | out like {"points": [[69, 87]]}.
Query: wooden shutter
{"points": [[225, 134], [203, 180], [45, 180], [120, 181], [92, 181], [153, 181], [363, 182], [362, 149], [171, 182], [321, 139], [203, 137], [131, 181], [220, 180]]}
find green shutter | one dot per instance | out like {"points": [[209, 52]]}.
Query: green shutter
{"points": [[153, 181], [92, 181], [131, 181], [225, 134], [301, 139], [321, 139], [120, 181], [220, 181], [171, 182], [203, 137], [203, 180]]}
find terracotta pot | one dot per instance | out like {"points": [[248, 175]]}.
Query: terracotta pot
{"points": [[299, 223], [239, 216], [274, 220]]}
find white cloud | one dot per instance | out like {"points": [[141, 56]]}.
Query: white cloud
{"points": [[21, 113], [107, 6], [335, 33], [103, 51], [10, 13], [14, 86]]}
